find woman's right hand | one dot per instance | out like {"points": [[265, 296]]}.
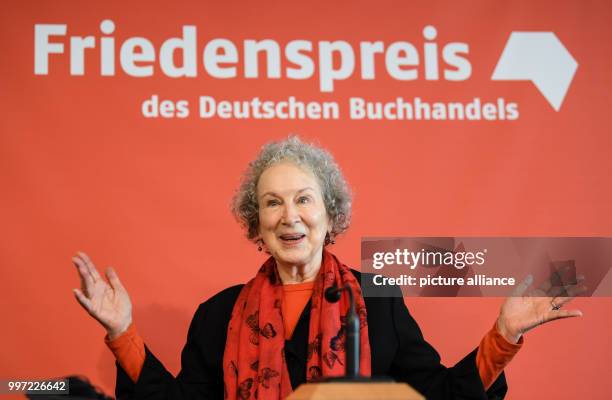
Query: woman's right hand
{"points": [[108, 302]]}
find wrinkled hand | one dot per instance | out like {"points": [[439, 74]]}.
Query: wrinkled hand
{"points": [[522, 312], [109, 303]]}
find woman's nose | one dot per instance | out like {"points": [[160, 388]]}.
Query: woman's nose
{"points": [[290, 214]]}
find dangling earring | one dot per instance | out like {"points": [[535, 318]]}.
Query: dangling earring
{"points": [[259, 243]]}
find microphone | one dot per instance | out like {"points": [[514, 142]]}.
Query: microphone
{"points": [[351, 344], [332, 294]]}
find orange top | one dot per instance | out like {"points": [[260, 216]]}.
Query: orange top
{"points": [[295, 298], [494, 351]]}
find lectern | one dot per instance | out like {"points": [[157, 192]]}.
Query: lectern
{"points": [[355, 391]]}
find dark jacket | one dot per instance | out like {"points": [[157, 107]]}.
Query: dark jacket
{"points": [[398, 350]]}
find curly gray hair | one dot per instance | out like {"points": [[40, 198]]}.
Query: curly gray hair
{"points": [[336, 193]]}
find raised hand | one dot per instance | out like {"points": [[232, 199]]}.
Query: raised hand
{"points": [[108, 302], [524, 311]]}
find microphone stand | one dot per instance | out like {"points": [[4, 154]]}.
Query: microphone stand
{"points": [[351, 344], [352, 385]]}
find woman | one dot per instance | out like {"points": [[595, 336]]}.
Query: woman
{"points": [[263, 339]]}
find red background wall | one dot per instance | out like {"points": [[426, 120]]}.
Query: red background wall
{"points": [[82, 169]]}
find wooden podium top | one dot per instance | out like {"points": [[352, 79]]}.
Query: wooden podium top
{"points": [[355, 391]]}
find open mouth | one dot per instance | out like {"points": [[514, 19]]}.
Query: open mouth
{"points": [[292, 238]]}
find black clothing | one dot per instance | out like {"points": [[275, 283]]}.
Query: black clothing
{"points": [[398, 350]]}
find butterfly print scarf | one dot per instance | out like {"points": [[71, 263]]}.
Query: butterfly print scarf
{"points": [[254, 360]]}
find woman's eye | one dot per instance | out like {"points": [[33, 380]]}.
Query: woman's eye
{"points": [[271, 203], [303, 200]]}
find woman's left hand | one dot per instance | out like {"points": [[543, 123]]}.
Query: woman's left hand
{"points": [[524, 311]]}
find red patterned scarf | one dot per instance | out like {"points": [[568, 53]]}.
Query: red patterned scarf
{"points": [[254, 362]]}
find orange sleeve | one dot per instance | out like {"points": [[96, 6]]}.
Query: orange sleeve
{"points": [[129, 350], [494, 353]]}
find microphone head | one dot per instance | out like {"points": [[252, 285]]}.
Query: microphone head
{"points": [[332, 294]]}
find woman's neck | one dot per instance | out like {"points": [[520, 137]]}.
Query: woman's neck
{"points": [[292, 274]]}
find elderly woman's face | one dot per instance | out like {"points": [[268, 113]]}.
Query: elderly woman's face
{"points": [[293, 221]]}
